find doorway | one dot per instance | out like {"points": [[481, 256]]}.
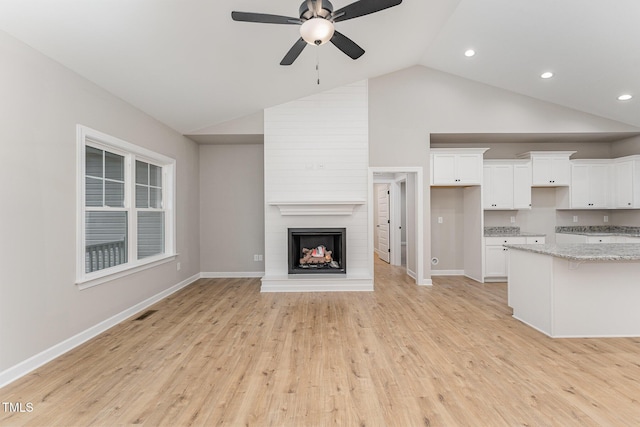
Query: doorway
{"points": [[396, 237]]}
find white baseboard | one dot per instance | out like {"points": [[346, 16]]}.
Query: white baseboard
{"points": [[23, 368], [316, 284], [474, 278], [495, 279], [423, 282], [426, 282], [230, 274], [447, 272]]}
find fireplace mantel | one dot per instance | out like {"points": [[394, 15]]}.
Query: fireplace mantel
{"points": [[328, 207]]}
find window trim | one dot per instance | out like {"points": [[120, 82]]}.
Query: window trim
{"points": [[87, 136]]}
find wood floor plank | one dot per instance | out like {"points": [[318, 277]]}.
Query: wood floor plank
{"points": [[220, 353]]}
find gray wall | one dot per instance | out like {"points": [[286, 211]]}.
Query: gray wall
{"points": [[448, 204], [231, 207], [41, 104], [626, 147], [405, 107], [541, 218]]}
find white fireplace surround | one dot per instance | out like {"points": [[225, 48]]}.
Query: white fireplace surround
{"points": [[316, 160]]}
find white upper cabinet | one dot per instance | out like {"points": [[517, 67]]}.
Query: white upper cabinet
{"points": [[522, 185], [456, 166], [549, 168], [590, 184], [497, 186], [506, 185], [626, 180]]}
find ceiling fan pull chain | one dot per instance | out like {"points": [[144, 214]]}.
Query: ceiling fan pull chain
{"points": [[318, 63]]}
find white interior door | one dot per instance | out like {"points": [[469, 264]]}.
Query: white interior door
{"points": [[383, 223]]}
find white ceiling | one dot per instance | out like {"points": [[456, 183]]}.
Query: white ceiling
{"points": [[186, 63]]}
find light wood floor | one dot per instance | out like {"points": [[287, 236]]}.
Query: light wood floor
{"points": [[221, 353]]}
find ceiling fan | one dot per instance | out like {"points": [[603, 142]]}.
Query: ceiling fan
{"points": [[316, 24]]}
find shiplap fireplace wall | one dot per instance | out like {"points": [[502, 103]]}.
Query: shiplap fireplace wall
{"points": [[316, 157]]}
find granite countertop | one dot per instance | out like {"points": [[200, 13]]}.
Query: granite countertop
{"points": [[600, 230], [509, 232], [586, 251]]}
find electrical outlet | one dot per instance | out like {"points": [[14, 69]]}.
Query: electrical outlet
{"points": [[513, 220], [256, 257], [575, 218], [440, 220], [178, 267], [260, 257], [606, 218]]}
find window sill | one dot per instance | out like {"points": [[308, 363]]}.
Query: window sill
{"points": [[117, 273]]}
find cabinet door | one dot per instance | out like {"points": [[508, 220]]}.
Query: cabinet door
{"points": [[542, 171], [601, 239], [522, 186], [536, 240], [551, 171], [487, 188], [623, 179], [468, 168], [495, 261], [497, 187], [598, 186], [560, 171], [502, 186], [580, 186], [444, 169]]}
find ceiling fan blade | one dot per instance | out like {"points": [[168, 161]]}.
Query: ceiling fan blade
{"points": [[347, 45], [264, 18], [294, 52], [363, 7]]}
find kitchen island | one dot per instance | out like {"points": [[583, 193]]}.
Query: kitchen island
{"points": [[576, 290]]}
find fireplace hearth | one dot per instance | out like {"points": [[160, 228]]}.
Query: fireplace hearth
{"points": [[317, 250]]}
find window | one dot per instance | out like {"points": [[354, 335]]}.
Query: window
{"points": [[125, 207]]}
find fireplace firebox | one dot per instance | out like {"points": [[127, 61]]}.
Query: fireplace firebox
{"points": [[317, 250]]}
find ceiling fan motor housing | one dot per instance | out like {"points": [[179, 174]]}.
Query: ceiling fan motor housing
{"points": [[325, 10]]}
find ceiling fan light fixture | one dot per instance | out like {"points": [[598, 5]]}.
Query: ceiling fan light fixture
{"points": [[317, 31]]}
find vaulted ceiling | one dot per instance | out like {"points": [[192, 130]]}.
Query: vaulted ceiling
{"points": [[186, 63]]}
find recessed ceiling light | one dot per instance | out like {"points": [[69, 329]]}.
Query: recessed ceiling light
{"points": [[469, 53], [546, 75], [625, 97]]}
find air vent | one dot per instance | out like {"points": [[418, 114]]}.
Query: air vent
{"points": [[145, 314]]}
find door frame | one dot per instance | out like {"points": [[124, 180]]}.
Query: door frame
{"points": [[417, 172], [395, 200]]}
